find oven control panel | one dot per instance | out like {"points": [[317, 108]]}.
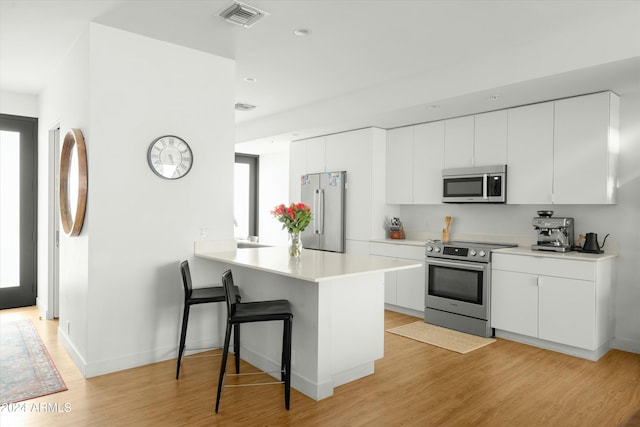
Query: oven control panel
{"points": [[469, 251]]}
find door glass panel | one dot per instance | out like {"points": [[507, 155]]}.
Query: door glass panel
{"points": [[457, 284], [9, 209], [241, 200]]}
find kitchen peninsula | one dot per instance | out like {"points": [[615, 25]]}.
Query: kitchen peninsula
{"points": [[338, 308]]}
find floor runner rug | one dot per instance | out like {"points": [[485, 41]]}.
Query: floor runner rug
{"points": [[441, 337], [26, 368]]}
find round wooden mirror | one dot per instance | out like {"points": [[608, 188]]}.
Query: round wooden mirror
{"points": [[73, 182]]}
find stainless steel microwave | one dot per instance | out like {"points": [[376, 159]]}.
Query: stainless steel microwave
{"points": [[481, 184]]}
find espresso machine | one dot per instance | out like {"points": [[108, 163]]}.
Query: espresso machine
{"points": [[554, 234]]}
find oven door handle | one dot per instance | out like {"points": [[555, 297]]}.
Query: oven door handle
{"points": [[465, 266]]}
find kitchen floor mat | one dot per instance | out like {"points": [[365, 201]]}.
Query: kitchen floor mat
{"points": [[441, 337]]}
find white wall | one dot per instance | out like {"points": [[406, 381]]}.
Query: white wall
{"points": [[621, 221], [18, 104], [274, 189], [120, 289], [64, 103]]}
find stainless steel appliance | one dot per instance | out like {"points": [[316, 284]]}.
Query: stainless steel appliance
{"points": [[482, 184], [554, 234], [325, 193], [458, 285]]}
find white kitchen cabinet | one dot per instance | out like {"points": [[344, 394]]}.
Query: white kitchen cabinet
{"points": [[428, 162], [585, 149], [458, 145], [415, 158], [410, 292], [399, 166], [315, 155], [530, 154], [305, 156], [404, 288], [297, 167], [556, 300], [567, 311], [478, 140], [490, 139], [351, 152], [514, 302]]}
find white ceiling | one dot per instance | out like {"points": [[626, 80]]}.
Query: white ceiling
{"points": [[356, 49]]}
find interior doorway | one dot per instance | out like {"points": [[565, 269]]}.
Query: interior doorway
{"points": [[18, 211], [53, 298]]}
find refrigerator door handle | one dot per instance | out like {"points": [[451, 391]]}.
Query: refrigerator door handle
{"points": [[316, 203], [320, 212]]}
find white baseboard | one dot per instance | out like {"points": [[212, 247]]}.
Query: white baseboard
{"points": [[560, 348], [102, 367], [299, 382], [626, 345], [73, 352]]}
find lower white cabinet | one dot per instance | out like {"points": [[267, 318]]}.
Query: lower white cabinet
{"points": [[404, 288], [567, 311], [564, 301], [514, 302]]}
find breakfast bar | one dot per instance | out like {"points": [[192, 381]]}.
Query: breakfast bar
{"points": [[338, 308]]}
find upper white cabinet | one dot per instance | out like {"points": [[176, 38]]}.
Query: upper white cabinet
{"points": [[315, 155], [415, 158], [458, 142], [428, 162], [399, 166], [479, 140], [297, 167], [563, 152], [530, 154], [351, 152], [490, 139], [585, 149]]}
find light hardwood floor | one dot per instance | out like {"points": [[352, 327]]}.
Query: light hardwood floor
{"points": [[502, 384]]}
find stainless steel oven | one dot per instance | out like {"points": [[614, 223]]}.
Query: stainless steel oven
{"points": [[458, 286]]}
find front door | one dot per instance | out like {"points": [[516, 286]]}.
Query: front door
{"points": [[18, 210]]}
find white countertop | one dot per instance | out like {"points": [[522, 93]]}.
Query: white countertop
{"points": [[314, 266], [401, 242], [579, 256]]}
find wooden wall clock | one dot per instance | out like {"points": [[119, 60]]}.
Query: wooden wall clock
{"points": [[170, 157], [73, 182]]}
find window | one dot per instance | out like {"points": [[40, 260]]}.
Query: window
{"points": [[246, 196]]}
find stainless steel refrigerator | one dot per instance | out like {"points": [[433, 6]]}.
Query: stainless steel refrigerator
{"points": [[325, 193]]}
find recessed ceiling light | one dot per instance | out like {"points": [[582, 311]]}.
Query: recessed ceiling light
{"points": [[302, 32], [250, 79]]}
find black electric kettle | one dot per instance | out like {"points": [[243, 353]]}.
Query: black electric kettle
{"points": [[591, 244]]}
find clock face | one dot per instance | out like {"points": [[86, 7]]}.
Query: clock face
{"points": [[170, 157]]}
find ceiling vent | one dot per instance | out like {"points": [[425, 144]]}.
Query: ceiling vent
{"points": [[243, 14], [244, 107]]}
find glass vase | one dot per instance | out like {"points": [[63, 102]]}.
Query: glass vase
{"points": [[295, 245]]}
